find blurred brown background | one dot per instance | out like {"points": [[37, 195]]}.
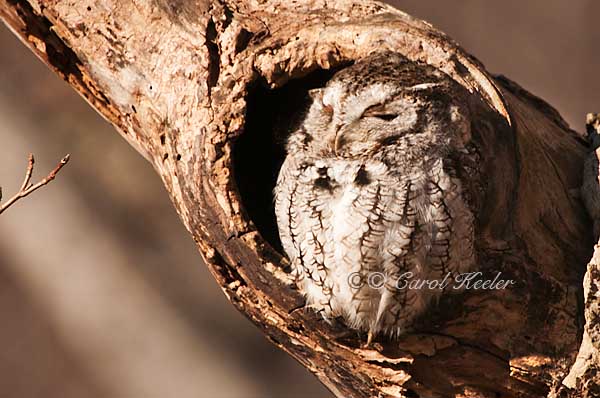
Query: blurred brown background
{"points": [[102, 291]]}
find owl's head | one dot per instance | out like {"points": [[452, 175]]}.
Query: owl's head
{"points": [[382, 100]]}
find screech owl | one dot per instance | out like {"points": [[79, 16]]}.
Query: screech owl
{"points": [[369, 187]]}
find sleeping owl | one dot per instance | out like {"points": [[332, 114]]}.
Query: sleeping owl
{"points": [[369, 194]]}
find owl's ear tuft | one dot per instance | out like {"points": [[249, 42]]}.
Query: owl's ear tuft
{"points": [[316, 94]]}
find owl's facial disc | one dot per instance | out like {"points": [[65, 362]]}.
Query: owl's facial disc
{"points": [[351, 118], [382, 117], [358, 121]]}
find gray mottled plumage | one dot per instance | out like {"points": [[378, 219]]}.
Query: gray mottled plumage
{"points": [[369, 185]]}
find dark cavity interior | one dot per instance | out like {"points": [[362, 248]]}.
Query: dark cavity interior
{"points": [[259, 152]]}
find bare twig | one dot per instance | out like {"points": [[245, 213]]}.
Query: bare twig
{"points": [[26, 187]]}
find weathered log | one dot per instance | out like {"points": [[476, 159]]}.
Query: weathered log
{"points": [[199, 88]]}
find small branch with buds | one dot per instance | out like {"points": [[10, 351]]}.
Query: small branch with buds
{"points": [[27, 187]]}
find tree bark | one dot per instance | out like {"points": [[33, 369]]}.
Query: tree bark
{"points": [[199, 86]]}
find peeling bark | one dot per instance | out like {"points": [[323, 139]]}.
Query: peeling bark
{"points": [[197, 86]]}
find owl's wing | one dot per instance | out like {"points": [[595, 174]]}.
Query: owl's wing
{"points": [[430, 235], [450, 223], [303, 219]]}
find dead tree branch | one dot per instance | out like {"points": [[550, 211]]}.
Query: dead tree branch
{"points": [[198, 86], [28, 188]]}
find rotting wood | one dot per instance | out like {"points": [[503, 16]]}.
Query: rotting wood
{"points": [[180, 81]]}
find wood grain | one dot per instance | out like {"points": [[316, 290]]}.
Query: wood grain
{"points": [[184, 81]]}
